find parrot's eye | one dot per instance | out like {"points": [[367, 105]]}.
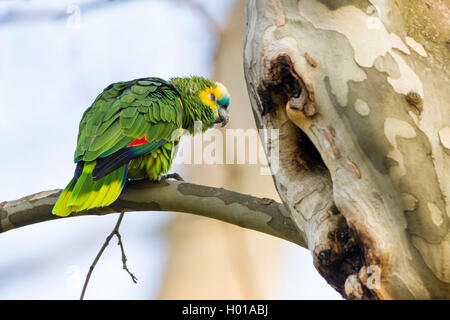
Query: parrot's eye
{"points": [[212, 97]]}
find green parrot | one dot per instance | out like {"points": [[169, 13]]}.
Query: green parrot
{"points": [[130, 133]]}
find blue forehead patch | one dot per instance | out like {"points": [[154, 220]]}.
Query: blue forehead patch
{"points": [[225, 101]]}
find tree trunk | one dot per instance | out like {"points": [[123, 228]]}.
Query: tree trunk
{"points": [[359, 91]]}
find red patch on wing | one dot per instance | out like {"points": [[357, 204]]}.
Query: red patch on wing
{"points": [[138, 142]]}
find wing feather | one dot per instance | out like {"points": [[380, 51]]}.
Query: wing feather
{"points": [[126, 111]]}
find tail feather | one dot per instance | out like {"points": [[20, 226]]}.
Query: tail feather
{"points": [[60, 208], [84, 184], [85, 193], [92, 197], [103, 189]]}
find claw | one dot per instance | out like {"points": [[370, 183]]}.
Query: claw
{"points": [[174, 176]]}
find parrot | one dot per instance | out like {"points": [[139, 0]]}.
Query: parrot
{"points": [[128, 134]]}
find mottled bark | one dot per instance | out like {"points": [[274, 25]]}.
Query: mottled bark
{"points": [[359, 92], [260, 214]]}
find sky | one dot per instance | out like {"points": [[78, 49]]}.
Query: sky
{"points": [[51, 69]]}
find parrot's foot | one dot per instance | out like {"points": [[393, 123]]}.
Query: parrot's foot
{"points": [[174, 176]]}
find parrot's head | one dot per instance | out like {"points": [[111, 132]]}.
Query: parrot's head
{"points": [[205, 100], [217, 98]]}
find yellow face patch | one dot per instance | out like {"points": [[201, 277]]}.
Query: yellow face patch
{"points": [[205, 97]]}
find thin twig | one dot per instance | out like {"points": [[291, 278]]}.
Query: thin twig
{"points": [[20, 15], [195, 5], [124, 258]]}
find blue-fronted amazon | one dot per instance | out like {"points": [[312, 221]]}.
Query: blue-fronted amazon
{"points": [[128, 134]]}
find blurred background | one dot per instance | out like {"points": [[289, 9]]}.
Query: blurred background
{"points": [[55, 58]]}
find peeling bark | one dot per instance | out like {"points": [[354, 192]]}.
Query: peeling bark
{"points": [[260, 214], [359, 93]]}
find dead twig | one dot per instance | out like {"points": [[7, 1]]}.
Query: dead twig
{"points": [[99, 254]]}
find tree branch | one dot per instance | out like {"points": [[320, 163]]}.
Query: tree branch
{"points": [[260, 214], [15, 16]]}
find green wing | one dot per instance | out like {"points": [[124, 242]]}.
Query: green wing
{"points": [[126, 111]]}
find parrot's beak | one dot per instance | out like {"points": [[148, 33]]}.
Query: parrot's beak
{"points": [[224, 117]]}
